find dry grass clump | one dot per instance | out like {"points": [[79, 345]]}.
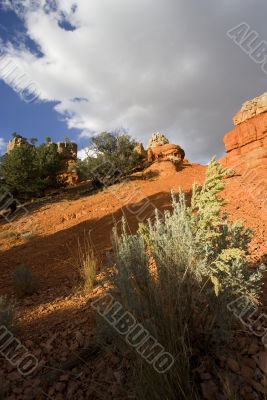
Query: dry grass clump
{"points": [[88, 263]]}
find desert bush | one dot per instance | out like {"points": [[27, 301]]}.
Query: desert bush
{"points": [[7, 312], [177, 274], [24, 282], [88, 264]]}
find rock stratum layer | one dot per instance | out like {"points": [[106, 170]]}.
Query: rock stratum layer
{"points": [[246, 148]]}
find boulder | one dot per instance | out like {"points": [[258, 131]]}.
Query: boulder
{"points": [[168, 152], [159, 149]]}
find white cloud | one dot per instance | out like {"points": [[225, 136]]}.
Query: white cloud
{"points": [[85, 152], [145, 65], [2, 146]]}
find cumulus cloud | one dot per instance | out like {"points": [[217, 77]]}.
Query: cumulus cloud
{"points": [[2, 146], [143, 65]]}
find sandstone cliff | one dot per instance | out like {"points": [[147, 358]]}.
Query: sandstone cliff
{"points": [[246, 147]]}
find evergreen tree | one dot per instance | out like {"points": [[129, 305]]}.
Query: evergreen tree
{"points": [[20, 171], [28, 170], [113, 158]]}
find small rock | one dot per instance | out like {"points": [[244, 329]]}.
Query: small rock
{"points": [[17, 390], [233, 365], [247, 372], [14, 376], [29, 344], [249, 362], [64, 378], [60, 386], [261, 360], [258, 387], [72, 387], [205, 376], [79, 338], [253, 348], [209, 390]]}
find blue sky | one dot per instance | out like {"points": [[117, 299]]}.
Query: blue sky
{"points": [[37, 119], [143, 66]]}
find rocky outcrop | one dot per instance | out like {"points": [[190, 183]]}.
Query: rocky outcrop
{"points": [[139, 149], [246, 148], [159, 149], [166, 152], [251, 108], [157, 139], [16, 141], [68, 152], [247, 143]]}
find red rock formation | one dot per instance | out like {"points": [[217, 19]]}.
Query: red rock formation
{"points": [[159, 149], [166, 152], [246, 149], [68, 154], [247, 143]]}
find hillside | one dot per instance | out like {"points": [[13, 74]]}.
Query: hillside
{"points": [[60, 308], [58, 325]]}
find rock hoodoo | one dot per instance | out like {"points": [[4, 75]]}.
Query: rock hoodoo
{"points": [[159, 149], [166, 152], [68, 152]]}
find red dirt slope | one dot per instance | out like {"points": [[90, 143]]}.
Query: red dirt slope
{"points": [[57, 321]]}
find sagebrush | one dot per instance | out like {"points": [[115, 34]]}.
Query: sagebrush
{"points": [[177, 274]]}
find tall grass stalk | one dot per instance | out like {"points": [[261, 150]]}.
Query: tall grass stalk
{"points": [[88, 264]]}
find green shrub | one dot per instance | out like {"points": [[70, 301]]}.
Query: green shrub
{"points": [[24, 282], [176, 276], [7, 312], [88, 265]]}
